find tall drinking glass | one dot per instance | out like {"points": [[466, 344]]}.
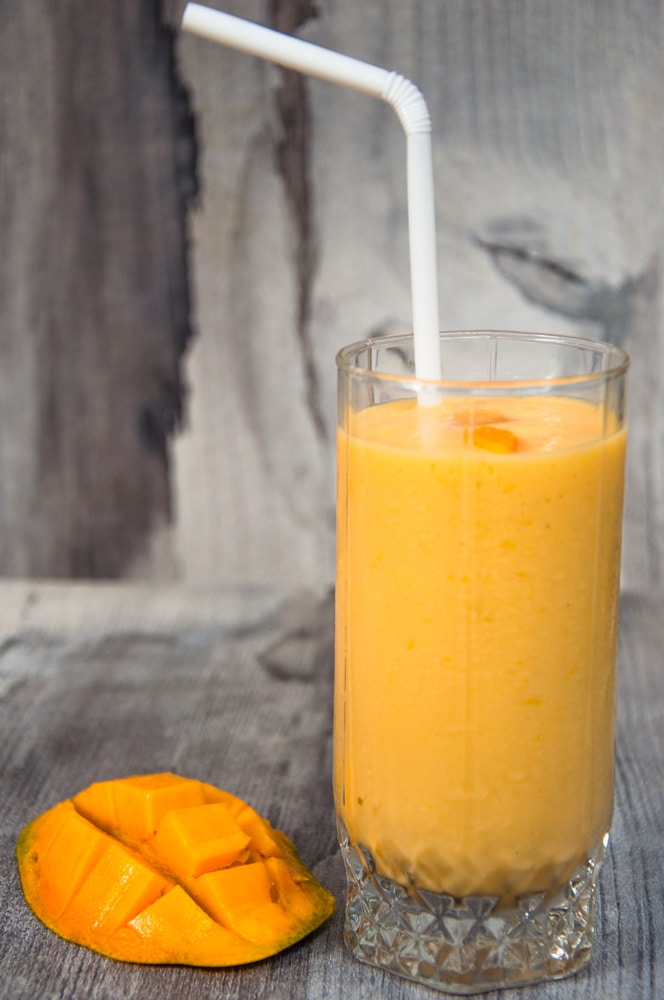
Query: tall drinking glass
{"points": [[479, 528]]}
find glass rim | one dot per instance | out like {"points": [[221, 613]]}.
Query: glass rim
{"points": [[619, 360]]}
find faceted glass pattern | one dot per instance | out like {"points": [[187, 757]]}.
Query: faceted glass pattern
{"points": [[471, 945]]}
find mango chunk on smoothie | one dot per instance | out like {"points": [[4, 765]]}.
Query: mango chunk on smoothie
{"points": [[497, 439], [163, 869]]}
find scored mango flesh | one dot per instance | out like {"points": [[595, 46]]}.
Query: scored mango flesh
{"points": [[168, 870]]}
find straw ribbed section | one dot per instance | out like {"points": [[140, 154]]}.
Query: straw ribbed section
{"points": [[469, 945], [408, 103]]}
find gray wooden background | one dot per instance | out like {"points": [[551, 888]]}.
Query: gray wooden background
{"points": [[187, 236]]}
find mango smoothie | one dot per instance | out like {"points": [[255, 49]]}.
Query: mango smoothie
{"points": [[477, 604]]}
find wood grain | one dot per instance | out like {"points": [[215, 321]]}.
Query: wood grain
{"points": [[548, 145], [235, 688], [97, 165], [549, 148]]}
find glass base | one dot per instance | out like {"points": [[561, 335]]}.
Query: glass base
{"points": [[469, 945]]}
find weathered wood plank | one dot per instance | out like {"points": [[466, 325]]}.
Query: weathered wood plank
{"points": [[252, 476], [96, 160], [201, 683], [549, 148]]}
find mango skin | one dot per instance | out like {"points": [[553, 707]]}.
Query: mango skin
{"points": [[160, 869]]}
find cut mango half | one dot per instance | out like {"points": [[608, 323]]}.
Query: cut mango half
{"points": [[162, 869]]}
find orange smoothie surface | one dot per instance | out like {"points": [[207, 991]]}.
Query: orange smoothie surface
{"points": [[477, 607]]}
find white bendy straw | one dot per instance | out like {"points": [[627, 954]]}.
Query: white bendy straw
{"points": [[411, 108]]}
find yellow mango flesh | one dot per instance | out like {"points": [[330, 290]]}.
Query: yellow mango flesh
{"points": [[168, 870], [199, 839]]}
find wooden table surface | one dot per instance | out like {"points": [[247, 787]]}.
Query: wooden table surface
{"points": [[99, 681]]}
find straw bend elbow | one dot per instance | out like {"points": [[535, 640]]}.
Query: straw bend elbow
{"points": [[408, 102]]}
